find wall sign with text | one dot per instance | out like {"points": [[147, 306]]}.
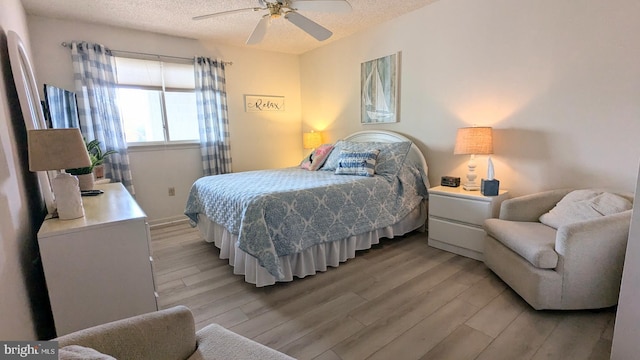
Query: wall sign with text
{"points": [[260, 103]]}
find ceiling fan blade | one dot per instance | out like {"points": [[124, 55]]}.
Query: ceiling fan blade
{"points": [[260, 30], [310, 27], [202, 17], [322, 5]]}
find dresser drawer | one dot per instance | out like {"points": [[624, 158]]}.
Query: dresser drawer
{"points": [[460, 235], [460, 209]]}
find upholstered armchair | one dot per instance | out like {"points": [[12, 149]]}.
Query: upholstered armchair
{"points": [[570, 265], [162, 335]]}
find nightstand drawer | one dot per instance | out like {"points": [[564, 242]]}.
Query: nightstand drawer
{"points": [[463, 210], [459, 235]]}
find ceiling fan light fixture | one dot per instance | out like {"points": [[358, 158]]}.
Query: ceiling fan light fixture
{"points": [[275, 9]]}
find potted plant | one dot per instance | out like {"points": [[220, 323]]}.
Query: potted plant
{"points": [[97, 161], [85, 175]]}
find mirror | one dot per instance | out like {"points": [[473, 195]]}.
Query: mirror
{"points": [[32, 113]]}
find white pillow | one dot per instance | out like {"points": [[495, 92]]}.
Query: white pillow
{"points": [[581, 205]]}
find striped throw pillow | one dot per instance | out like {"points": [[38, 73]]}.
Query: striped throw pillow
{"points": [[362, 163]]}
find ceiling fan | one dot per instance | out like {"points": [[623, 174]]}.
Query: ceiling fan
{"points": [[289, 10]]}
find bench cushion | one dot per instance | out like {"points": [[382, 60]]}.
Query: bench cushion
{"points": [[532, 240]]}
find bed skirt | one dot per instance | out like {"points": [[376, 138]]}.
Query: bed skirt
{"points": [[308, 262]]}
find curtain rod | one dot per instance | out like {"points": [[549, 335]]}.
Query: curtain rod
{"points": [[67, 45]]}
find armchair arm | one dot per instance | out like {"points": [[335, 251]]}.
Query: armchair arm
{"points": [[167, 334], [530, 207], [591, 256]]}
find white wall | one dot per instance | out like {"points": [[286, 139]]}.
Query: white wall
{"points": [[625, 337], [24, 311], [258, 140], [558, 80]]}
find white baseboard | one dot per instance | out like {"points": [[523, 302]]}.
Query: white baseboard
{"points": [[164, 222]]}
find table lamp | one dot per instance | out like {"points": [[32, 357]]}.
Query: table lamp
{"points": [[473, 141], [311, 140], [58, 149]]}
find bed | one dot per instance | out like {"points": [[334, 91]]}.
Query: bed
{"points": [[274, 225]]}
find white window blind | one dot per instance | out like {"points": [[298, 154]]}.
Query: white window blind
{"points": [[157, 100], [149, 73]]}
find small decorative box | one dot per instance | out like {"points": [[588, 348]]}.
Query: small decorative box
{"points": [[489, 187]]}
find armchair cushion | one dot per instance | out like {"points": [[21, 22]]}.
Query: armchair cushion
{"points": [[530, 207], [216, 342], [580, 205], [162, 335], [77, 352], [534, 241], [167, 334]]}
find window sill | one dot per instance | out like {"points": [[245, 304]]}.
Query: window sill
{"points": [[157, 146]]}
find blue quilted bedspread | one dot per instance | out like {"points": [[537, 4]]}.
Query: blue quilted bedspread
{"points": [[284, 211]]}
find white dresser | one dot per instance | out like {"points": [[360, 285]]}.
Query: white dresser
{"points": [[98, 268], [456, 217]]}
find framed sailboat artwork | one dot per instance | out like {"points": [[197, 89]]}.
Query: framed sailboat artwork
{"points": [[379, 90]]}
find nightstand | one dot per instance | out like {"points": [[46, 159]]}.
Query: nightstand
{"points": [[456, 217]]}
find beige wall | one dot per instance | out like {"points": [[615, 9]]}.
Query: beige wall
{"points": [[558, 80], [23, 299], [258, 141]]}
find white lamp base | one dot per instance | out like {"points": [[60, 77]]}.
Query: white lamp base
{"points": [[471, 184], [471, 187], [68, 198]]}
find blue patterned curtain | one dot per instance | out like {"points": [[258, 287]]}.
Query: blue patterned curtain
{"points": [[94, 75], [211, 95]]}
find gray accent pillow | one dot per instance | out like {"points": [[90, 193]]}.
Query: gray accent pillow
{"points": [[388, 163]]}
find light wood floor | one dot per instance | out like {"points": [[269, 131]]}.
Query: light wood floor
{"points": [[400, 300]]}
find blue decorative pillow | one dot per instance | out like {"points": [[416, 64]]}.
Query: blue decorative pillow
{"points": [[389, 160], [361, 163]]}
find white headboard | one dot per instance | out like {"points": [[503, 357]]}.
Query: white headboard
{"points": [[414, 154]]}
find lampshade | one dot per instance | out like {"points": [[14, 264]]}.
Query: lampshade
{"points": [[56, 149], [311, 140], [474, 141]]}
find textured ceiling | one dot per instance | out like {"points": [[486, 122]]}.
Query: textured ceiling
{"points": [[174, 17]]}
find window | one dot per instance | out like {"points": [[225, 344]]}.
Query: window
{"points": [[157, 101]]}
